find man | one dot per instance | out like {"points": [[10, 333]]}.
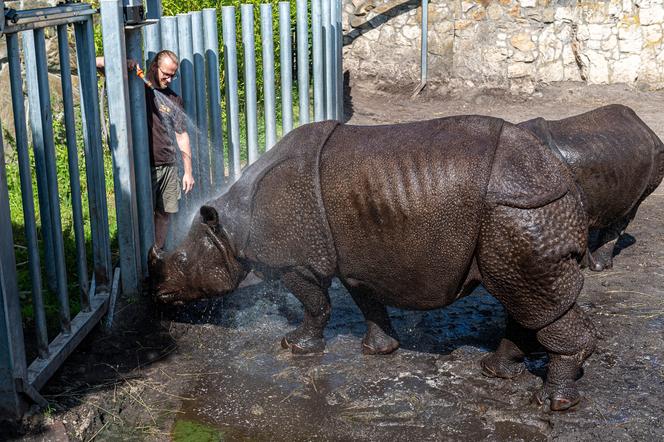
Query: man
{"points": [[167, 128]]}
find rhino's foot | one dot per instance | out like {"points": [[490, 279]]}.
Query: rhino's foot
{"points": [[559, 397], [300, 342], [377, 342], [497, 366]]}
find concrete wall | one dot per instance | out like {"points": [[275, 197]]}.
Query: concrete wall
{"points": [[511, 44]]}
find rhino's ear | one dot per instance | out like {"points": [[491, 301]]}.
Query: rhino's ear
{"points": [[210, 216]]}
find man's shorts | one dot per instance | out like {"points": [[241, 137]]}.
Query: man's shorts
{"points": [[166, 188]]}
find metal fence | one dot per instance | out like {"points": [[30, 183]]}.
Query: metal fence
{"points": [[217, 146], [25, 35]]}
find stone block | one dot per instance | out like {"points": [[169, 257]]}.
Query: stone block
{"points": [[630, 39], [523, 42], [626, 70], [652, 15], [528, 3], [519, 69], [550, 72], [652, 35], [595, 67], [494, 12]]}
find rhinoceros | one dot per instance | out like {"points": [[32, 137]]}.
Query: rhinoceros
{"points": [[409, 215], [617, 161]]}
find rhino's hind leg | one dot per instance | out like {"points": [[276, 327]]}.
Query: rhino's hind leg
{"points": [[312, 293], [507, 361], [569, 341], [380, 336]]}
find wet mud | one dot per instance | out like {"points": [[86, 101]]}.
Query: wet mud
{"points": [[218, 372]]}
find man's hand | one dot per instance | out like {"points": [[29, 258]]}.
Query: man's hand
{"points": [[187, 182]]}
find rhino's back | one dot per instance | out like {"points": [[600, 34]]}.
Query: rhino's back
{"points": [[404, 204], [612, 154]]}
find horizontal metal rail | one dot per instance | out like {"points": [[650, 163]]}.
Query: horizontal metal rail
{"points": [[23, 20]]}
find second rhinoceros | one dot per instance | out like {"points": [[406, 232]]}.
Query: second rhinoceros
{"points": [[617, 161], [410, 215]]}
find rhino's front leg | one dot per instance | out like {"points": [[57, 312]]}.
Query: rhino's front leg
{"points": [[312, 293], [507, 361]]}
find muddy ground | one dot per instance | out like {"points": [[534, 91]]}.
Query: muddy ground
{"points": [[215, 371]]}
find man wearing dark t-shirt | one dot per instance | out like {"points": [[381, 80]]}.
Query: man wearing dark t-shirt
{"points": [[167, 132]]}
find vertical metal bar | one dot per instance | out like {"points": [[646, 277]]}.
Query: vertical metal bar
{"points": [[154, 9], [40, 160], [152, 44], [12, 352], [267, 44], [214, 96], [141, 150], [232, 100], [187, 80], [303, 60], [339, 64], [94, 160], [423, 42], [115, 67], [201, 104], [251, 112], [21, 138], [319, 59], [44, 146], [169, 40], [328, 38], [285, 52], [72, 157]]}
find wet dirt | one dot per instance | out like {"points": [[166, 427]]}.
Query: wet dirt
{"points": [[214, 370]]}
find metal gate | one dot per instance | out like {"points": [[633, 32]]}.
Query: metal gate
{"points": [[20, 382], [194, 36]]}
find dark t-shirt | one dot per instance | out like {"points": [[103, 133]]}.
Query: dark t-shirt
{"points": [[166, 116]]}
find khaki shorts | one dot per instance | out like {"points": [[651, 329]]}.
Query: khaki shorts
{"points": [[166, 188]]}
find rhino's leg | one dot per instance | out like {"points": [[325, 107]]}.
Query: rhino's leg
{"points": [[507, 361], [312, 293], [607, 240], [379, 337], [569, 341]]}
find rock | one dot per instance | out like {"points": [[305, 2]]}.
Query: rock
{"points": [[652, 15], [626, 70], [523, 42]]}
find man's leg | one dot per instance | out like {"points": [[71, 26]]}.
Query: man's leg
{"points": [[161, 221]]}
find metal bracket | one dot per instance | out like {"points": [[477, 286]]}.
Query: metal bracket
{"points": [[24, 387]]}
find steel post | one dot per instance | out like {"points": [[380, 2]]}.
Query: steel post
{"points": [[286, 61], [25, 172], [94, 160], [328, 47], [339, 63], [152, 42], [34, 106], [423, 43], [198, 41], [187, 84], [214, 96], [251, 112], [267, 44], [72, 157], [141, 150], [232, 100], [169, 40], [303, 60], [12, 352], [115, 57], [153, 9], [319, 59], [39, 97]]}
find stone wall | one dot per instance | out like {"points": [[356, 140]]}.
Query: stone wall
{"points": [[512, 44]]}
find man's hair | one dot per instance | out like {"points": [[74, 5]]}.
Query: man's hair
{"points": [[161, 55]]}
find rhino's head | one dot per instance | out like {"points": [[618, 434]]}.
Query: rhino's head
{"points": [[202, 266]]}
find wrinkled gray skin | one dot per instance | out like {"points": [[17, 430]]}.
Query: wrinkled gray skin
{"points": [[411, 215], [617, 161]]}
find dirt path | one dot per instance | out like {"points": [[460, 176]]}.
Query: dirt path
{"points": [[217, 371]]}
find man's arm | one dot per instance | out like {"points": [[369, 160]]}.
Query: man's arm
{"points": [[185, 148], [99, 63]]}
